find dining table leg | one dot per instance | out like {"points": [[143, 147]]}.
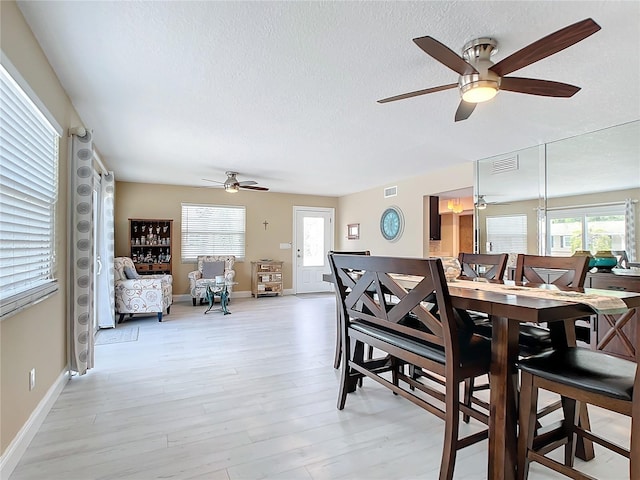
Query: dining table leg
{"points": [[503, 415]]}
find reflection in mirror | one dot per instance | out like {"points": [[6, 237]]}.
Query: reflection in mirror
{"points": [[579, 193], [456, 223]]}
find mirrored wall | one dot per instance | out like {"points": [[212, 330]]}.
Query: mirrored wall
{"points": [[579, 193]]}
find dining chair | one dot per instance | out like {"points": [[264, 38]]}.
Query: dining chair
{"points": [[535, 339], [489, 266], [378, 311], [558, 271], [337, 355], [579, 375], [623, 258], [483, 265]]}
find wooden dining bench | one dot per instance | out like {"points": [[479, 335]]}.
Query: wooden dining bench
{"points": [[378, 311]]}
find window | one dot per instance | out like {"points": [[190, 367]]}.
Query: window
{"points": [[28, 194], [212, 230], [507, 234], [587, 228]]}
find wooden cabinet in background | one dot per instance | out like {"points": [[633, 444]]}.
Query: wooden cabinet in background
{"points": [[266, 278], [615, 334], [151, 243]]}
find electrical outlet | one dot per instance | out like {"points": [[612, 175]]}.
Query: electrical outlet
{"points": [[32, 379]]}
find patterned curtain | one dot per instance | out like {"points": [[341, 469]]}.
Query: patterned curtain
{"points": [[630, 229], [105, 310], [82, 254]]}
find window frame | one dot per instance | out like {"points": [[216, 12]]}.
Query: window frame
{"points": [[189, 253], [521, 218], [582, 213], [28, 286]]}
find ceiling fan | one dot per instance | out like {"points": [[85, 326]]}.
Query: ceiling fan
{"points": [[480, 79], [481, 203], [232, 185]]}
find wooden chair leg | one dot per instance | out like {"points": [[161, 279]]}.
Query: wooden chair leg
{"points": [[348, 379], [571, 412], [159, 316], [194, 301], [121, 318], [338, 353], [634, 465], [528, 412], [451, 426], [468, 394]]}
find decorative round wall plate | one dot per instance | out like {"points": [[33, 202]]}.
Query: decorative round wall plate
{"points": [[392, 223]]}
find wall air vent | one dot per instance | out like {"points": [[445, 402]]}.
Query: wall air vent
{"points": [[390, 192], [504, 165]]}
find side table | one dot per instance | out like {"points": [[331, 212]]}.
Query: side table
{"points": [[221, 290]]}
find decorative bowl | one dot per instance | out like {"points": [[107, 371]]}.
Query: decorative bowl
{"points": [[604, 261], [585, 253]]}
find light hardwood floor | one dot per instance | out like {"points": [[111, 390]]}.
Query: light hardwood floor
{"points": [[245, 396]]}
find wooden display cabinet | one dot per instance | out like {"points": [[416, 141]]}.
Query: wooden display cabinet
{"points": [[151, 242], [266, 278]]}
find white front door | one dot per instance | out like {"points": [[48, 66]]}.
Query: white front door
{"points": [[313, 239]]}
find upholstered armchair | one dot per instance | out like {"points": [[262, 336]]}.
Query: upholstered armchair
{"points": [[140, 293], [209, 267]]}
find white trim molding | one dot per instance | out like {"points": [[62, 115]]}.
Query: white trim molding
{"points": [[19, 444]]}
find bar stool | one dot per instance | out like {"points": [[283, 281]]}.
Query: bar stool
{"points": [[579, 375]]}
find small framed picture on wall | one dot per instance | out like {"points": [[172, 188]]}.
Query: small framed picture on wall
{"points": [[353, 231]]}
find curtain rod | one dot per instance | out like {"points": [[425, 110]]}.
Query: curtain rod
{"points": [[99, 162], [608, 204]]}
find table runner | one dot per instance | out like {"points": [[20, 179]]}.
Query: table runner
{"points": [[604, 301]]}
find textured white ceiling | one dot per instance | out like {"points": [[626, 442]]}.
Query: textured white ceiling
{"points": [[285, 92]]}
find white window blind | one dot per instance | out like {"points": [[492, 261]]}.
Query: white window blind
{"points": [[212, 230], [507, 234], [28, 194]]}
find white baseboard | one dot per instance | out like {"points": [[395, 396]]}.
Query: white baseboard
{"points": [[12, 455]]}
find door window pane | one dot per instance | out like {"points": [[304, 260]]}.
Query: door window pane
{"points": [[313, 251]]}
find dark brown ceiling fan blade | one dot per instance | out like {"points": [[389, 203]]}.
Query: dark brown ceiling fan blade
{"points": [[546, 47], [532, 86], [251, 187], [465, 109], [418, 92], [445, 55]]}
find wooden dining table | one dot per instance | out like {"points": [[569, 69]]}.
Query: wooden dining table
{"points": [[507, 310]]}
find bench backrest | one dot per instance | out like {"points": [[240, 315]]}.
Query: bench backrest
{"points": [[367, 292]]}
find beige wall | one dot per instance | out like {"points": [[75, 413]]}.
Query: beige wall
{"points": [[35, 337], [366, 207], [138, 200]]}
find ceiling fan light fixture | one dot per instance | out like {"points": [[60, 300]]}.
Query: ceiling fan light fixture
{"points": [[455, 205], [231, 188], [479, 91], [481, 204]]}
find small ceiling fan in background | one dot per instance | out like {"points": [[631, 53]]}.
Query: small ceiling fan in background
{"points": [[480, 79], [481, 203], [232, 185]]}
